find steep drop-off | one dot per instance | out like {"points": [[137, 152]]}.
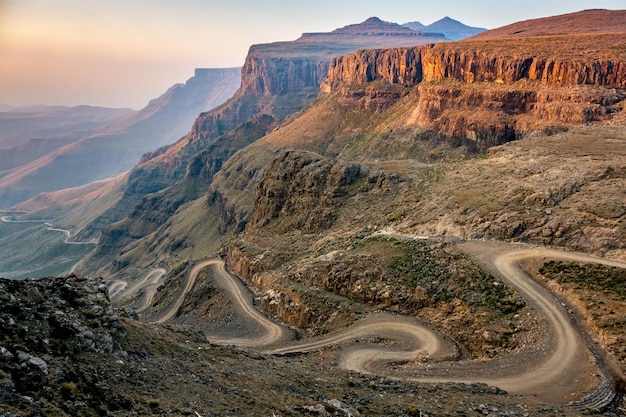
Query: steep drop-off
{"points": [[490, 92], [115, 148], [278, 79]]}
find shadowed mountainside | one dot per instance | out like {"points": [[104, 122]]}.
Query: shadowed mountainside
{"points": [[278, 79], [115, 148]]}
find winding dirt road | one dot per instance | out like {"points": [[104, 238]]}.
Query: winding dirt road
{"points": [[558, 369], [271, 332], [149, 284], [68, 236], [192, 275]]}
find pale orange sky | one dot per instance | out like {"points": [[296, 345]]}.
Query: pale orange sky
{"points": [[124, 53]]}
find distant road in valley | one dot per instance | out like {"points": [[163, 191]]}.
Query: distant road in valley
{"points": [[68, 236], [8, 219], [48, 224]]}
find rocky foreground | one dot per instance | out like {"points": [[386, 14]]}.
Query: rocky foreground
{"points": [[65, 351]]}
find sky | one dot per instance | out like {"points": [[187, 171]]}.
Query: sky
{"points": [[122, 53]]}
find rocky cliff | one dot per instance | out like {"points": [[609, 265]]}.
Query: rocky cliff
{"points": [[503, 62], [278, 79], [273, 76], [489, 92]]}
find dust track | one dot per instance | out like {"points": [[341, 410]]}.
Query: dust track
{"points": [[560, 368]]}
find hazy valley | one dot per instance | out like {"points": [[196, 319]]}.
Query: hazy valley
{"points": [[432, 228]]}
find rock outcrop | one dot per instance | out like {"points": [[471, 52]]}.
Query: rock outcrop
{"points": [[34, 312], [473, 62], [45, 326], [484, 93], [303, 191]]}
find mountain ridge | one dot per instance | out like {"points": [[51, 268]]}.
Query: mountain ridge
{"points": [[278, 79], [450, 28], [100, 154], [354, 203], [587, 21]]}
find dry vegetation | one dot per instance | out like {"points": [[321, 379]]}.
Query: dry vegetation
{"points": [[576, 47], [599, 292]]}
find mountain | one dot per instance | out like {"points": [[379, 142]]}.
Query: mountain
{"points": [[418, 26], [456, 99], [586, 21], [79, 157], [516, 140], [278, 80], [432, 185], [450, 28]]}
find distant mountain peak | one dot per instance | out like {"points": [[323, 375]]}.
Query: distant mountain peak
{"points": [[414, 25], [449, 27], [372, 21], [372, 24], [449, 24]]}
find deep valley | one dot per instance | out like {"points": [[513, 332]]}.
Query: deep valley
{"points": [[379, 221]]}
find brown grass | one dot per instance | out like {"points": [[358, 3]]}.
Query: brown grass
{"points": [[578, 47]]}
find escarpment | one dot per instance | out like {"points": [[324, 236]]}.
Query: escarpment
{"points": [[396, 66], [502, 61], [490, 91], [271, 76]]}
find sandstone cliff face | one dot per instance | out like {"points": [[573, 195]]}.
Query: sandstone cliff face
{"points": [[498, 114], [477, 66], [473, 62], [396, 66], [270, 76], [483, 93]]}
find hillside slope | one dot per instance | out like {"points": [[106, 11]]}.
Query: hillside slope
{"points": [[278, 80], [352, 205], [116, 148], [586, 21], [468, 140]]}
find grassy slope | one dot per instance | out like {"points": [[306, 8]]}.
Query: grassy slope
{"points": [[39, 252]]}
